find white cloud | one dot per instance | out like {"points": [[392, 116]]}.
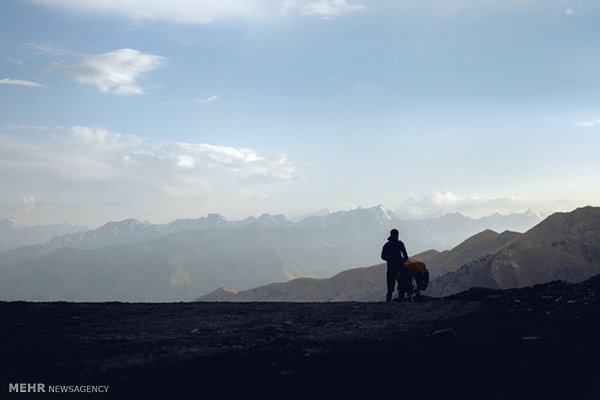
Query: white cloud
{"points": [[19, 82], [113, 72], [89, 160], [228, 163], [325, 9], [184, 161], [441, 198], [329, 9], [569, 11], [28, 200], [28, 203], [95, 135], [208, 100], [589, 123]]}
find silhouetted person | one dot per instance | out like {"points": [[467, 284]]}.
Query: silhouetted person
{"points": [[395, 254]]}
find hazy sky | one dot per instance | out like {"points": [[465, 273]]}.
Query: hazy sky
{"points": [[174, 109]]}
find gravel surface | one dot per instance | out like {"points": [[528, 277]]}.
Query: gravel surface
{"points": [[535, 343]]}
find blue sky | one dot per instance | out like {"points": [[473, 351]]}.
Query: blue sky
{"points": [[163, 110]]}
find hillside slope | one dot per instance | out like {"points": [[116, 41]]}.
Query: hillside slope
{"points": [[481, 244], [357, 284], [565, 246]]}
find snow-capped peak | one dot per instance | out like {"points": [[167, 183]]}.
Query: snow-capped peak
{"points": [[386, 212], [12, 222], [382, 212]]}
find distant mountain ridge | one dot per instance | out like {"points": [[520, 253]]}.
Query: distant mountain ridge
{"points": [[440, 233], [565, 246], [134, 231], [14, 234], [132, 260]]}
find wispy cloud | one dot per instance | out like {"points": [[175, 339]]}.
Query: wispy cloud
{"points": [[184, 11], [329, 9], [13, 61], [114, 72], [27, 203], [89, 159], [324, 9], [230, 164], [19, 82], [13, 127], [45, 48], [436, 203], [206, 11], [207, 100], [260, 11], [589, 123]]}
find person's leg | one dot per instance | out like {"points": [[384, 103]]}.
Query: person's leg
{"points": [[391, 282], [402, 283]]}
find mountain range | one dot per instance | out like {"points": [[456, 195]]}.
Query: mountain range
{"points": [[14, 234], [565, 246], [419, 234], [132, 260]]}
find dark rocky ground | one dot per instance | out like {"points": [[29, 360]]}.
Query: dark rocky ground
{"points": [[535, 343]]}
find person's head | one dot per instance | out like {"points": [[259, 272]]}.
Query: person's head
{"points": [[394, 233]]}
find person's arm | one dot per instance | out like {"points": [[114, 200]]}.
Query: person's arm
{"points": [[384, 253]]}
